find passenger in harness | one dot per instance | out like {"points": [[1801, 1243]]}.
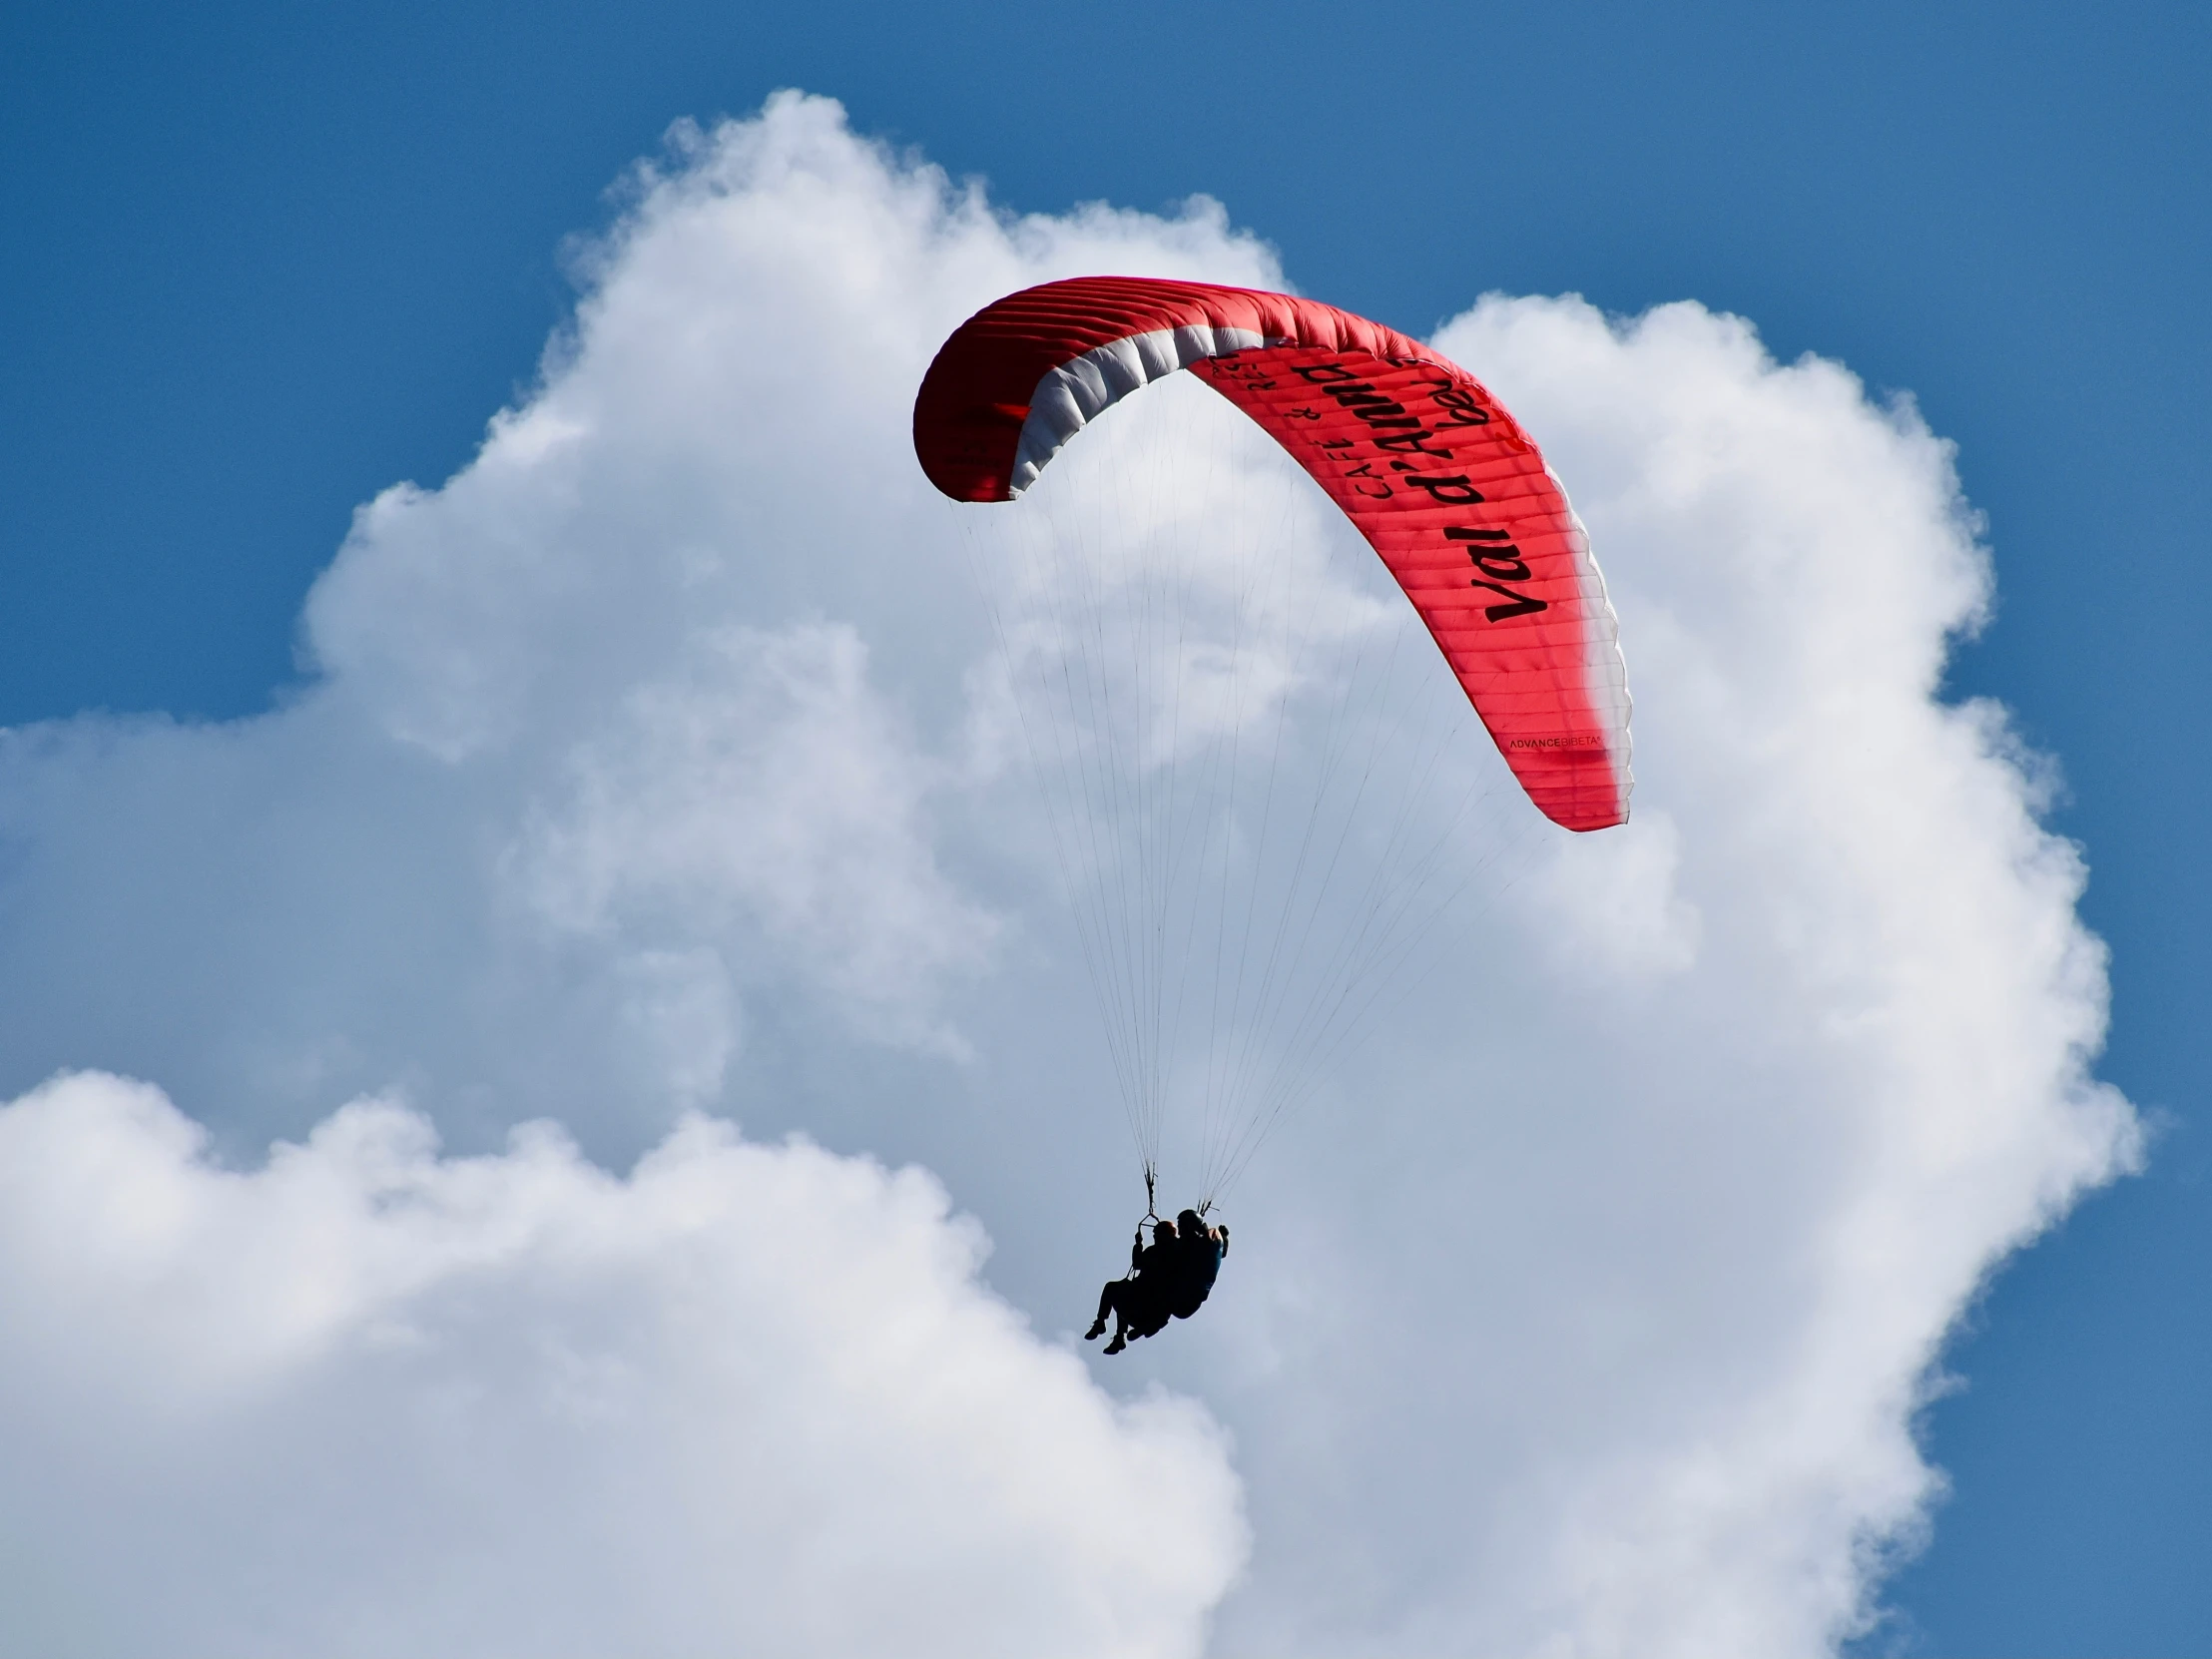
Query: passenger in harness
{"points": [[1139, 1299], [1167, 1279]]}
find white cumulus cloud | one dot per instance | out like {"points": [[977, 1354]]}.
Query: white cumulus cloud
{"points": [[664, 762], [364, 1400]]}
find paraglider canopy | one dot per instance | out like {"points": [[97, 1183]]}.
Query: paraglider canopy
{"points": [[1442, 481]]}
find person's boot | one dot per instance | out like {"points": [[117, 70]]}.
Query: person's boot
{"points": [[1097, 1329], [1120, 1342]]}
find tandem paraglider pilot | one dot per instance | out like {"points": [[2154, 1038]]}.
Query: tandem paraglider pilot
{"points": [[1168, 1279]]}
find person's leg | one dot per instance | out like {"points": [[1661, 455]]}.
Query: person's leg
{"points": [[1124, 1297], [1108, 1300]]}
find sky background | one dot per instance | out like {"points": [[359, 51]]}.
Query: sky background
{"points": [[262, 265]]}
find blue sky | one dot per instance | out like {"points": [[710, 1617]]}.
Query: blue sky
{"points": [[260, 264]]}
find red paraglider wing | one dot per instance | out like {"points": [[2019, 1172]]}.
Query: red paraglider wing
{"points": [[1431, 471]]}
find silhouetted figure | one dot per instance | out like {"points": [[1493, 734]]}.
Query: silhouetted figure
{"points": [[1139, 1302], [1198, 1253]]}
